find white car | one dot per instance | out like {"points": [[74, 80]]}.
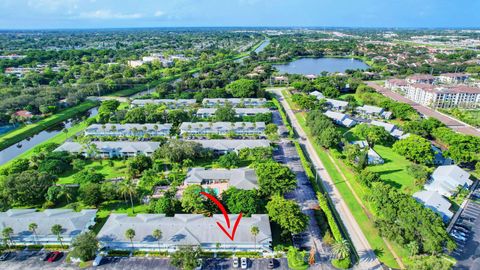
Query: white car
{"points": [[243, 263], [235, 262]]}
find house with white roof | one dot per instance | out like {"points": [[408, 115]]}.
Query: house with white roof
{"points": [[170, 103], [317, 94], [239, 112], [373, 158], [73, 223], [390, 128], [222, 128], [235, 102], [241, 178], [226, 146], [185, 230], [126, 130], [368, 111], [436, 202], [110, 149], [340, 119], [447, 179], [336, 105]]}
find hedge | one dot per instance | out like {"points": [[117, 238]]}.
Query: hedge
{"points": [[323, 203], [284, 117], [341, 264]]}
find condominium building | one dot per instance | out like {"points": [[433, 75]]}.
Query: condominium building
{"points": [[110, 149], [452, 78], [225, 146], [184, 230], [421, 78], [340, 119], [235, 102], [170, 103], [125, 130], [239, 112], [440, 96], [73, 223], [223, 128]]}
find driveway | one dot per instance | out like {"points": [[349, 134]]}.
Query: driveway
{"points": [[305, 196], [254, 264], [31, 260], [447, 120], [368, 259]]}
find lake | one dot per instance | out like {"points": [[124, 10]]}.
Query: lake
{"points": [[307, 66]]}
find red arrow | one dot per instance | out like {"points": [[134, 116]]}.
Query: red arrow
{"points": [[225, 215]]}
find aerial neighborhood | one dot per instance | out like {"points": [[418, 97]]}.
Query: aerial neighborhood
{"points": [[224, 148]]}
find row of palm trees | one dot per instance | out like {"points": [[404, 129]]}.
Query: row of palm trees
{"points": [[7, 233], [157, 235]]}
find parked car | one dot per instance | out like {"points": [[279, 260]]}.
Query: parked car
{"points": [[459, 233], [458, 237], [235, 262], [45, 255], [460, 229], [243, 263], [5, 256], [55, 256], [98, 260], [271, 264]]}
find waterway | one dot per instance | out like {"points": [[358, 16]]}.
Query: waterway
{"points": [[307, 66], [13, 151]]}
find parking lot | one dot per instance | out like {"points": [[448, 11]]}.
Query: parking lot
{"points": [[466, 232], [32, 260], [255, 264]]}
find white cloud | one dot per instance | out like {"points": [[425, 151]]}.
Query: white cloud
{"points": [[105, 14], [159, 13]]}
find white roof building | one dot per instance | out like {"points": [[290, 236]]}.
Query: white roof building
{"points": [[117, 130], [222, 128], [436, 202], [225, 146], [73, 223], [446, 179], [235, 102], [170, 103], [239, 112], [241, 178], [337, 105], [340, 118], [185, 230], [111, 149], [317, 94], [390, 128]]}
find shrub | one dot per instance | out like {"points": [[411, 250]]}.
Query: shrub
{"points": [[341, 264]]}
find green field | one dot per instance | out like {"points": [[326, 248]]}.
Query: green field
{"points": [[119, 169], [29, 130], [361, 217]]}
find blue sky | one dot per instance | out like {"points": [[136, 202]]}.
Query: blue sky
{"points": [[34, 14]]}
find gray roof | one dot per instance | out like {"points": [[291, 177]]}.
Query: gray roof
{"points": [[126, 128], [434, 201], [220, 126], [232, 145], [235, 101], [446, 179], [336, 103], [317, 94], [120, 146], [340, 118], [182, 229], [177, 102], [370, 109], [387, 126], [237, 110], [73, 223], [242, 178]]}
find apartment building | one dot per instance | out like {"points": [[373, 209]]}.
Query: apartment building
{"points": [[126, 130], [440, 96], [110, 149], [239, 112], [235, 102], [222, 128]]}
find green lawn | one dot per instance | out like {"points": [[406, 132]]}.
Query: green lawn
{"points": [[367, 226], [29, 130], [119, 169]]}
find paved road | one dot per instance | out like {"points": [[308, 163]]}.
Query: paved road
{"points": [[368, 259], [305, 196], [447, 120]]}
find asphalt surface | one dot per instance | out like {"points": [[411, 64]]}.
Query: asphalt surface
{"points": [[467, 253], [447, 120], [368, 259], [305, 196]]}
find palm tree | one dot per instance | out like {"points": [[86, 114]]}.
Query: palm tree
{"points": [[341, 249], [33, 228], [65, 130], [57, 230], [127, 188], [7, 235], [254, 230], [157, 234], [130, 234]]}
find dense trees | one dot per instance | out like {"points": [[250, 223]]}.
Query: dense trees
{"points": [[28, 187], [225, 114], [373, 134], [402, 219], [84, 246], [186, 258], [243, 88], [239, 200], [287, 214], [416, 149], [323, 129], [177, 150], [275, 178]]}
